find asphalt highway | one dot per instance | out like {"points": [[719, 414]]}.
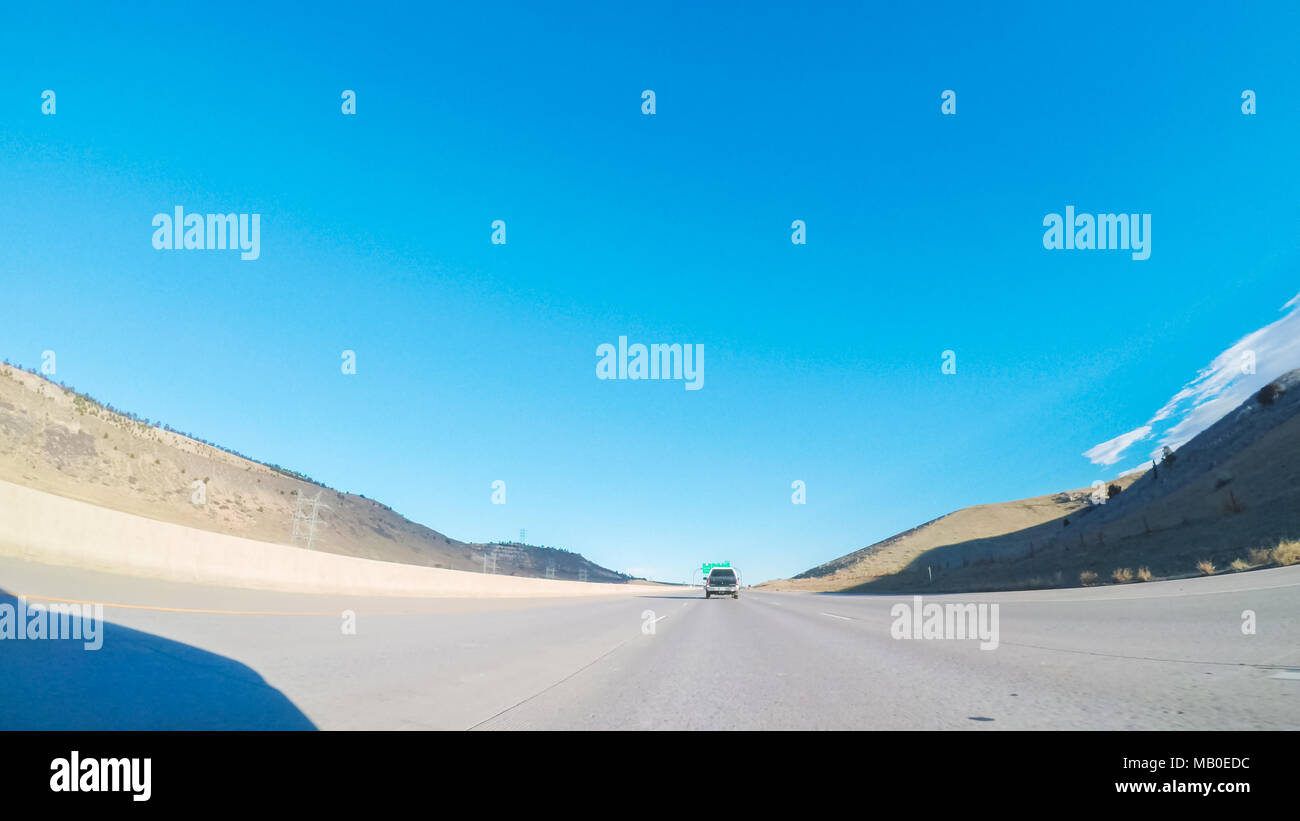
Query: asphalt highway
{"points": [[1160, 655]]}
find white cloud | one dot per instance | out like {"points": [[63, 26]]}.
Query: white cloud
{"points": [[1221, 386], [1108, 453]]}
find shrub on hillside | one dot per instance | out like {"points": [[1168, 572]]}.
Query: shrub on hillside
{"points": [[1287, 553]]}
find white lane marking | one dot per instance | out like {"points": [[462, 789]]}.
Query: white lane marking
{"points": [[832, 615], [1009, 597], [1293, 675], [1133, 596]]}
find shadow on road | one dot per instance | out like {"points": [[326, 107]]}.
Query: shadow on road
{"points": [[134, 681], [679, 597]]}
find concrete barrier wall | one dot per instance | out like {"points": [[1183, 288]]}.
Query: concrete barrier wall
{"points": [[42, 527]]}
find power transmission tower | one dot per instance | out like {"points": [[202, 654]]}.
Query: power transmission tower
{"points": [[511, 554], [550, 571], [489, 562], [582, 574], [306, 517], [523, 536]]}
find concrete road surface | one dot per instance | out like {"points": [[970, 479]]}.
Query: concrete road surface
{"points": [[1163, 655]]}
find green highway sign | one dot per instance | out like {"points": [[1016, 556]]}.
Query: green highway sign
{"points": [[710, 565]]}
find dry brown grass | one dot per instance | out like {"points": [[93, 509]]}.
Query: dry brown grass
{"points": [[1144, 574], [1286, 553], [1261, 556], [1122, 575], [1206, 567], [1241, 564], [1087, 577]]}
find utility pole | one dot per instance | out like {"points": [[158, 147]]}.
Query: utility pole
{"points": [[306, 517], [511, 553], [582, 574]]}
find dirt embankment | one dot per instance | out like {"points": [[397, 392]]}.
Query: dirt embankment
{"points": [[60, 442], [1228, 500]]}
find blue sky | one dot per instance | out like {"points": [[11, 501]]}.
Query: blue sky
{"points": [[476, 362]]}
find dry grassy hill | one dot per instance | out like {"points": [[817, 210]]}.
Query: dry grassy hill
{"points": [[55, 440], [1227, 500], [895, 553]]}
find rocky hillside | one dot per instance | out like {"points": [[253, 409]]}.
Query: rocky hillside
{"points": [[1227, 500], [55, 440]]}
